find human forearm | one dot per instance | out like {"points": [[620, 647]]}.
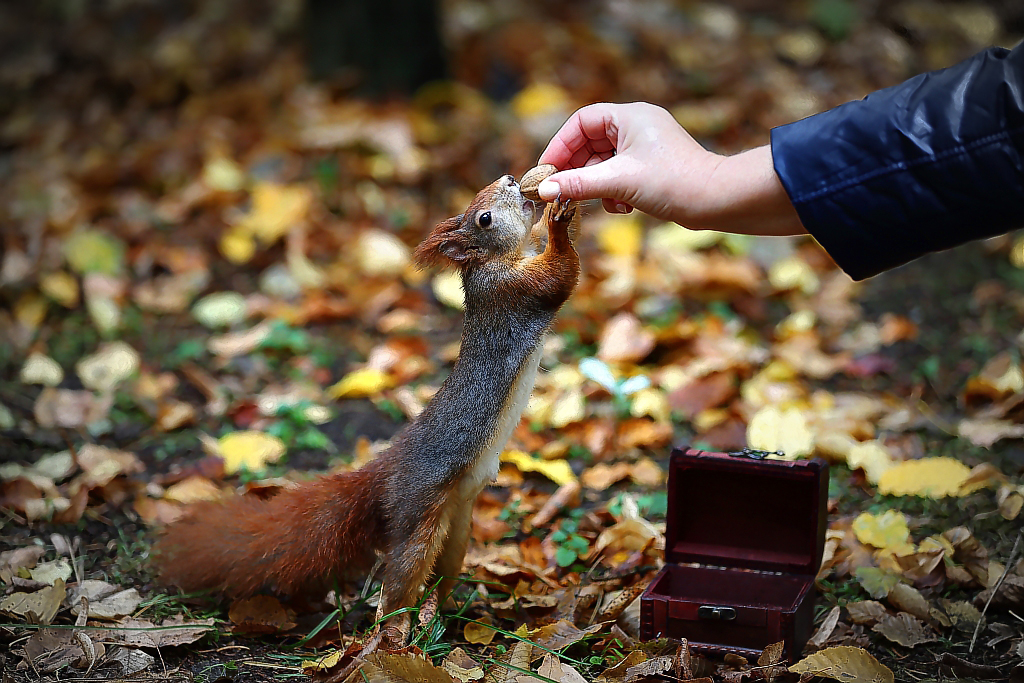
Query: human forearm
{"points": [[744, 195]]}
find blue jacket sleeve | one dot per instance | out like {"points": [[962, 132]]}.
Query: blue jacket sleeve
{"points": [[925, 165]]}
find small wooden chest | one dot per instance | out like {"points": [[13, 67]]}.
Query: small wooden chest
{"points": [[743, 543]]}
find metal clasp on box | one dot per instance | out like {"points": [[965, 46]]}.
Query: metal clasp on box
{"points": [[716, 613]]}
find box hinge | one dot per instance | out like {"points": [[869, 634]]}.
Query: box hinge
{"points": [[716, 613]]}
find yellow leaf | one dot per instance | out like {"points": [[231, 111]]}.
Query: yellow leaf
{"points": [[276, 209], [793, 273], [557, 471], [382, 253], [360, 384], [447, 288], [931, 477], [668, 237], [540, 99], [785, 430], [651, 402], [313, 666], [30, 310], [479, 632], [92, 251], [621, 235], [568, 408], [872, 457], [844, 663], [61, 287], [237, 245], [223, 174], [886, 530], [250, 449], [192, 489], [112, 364], [41, 369]]}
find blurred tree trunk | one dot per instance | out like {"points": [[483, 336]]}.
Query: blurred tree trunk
{"points": [[382, 46]]}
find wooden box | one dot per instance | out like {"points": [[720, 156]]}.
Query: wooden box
{"points": [[743, 543]]}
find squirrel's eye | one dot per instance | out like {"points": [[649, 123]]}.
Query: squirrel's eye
{"points": [[485, 219]]}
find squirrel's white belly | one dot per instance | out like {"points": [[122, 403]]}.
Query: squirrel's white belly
{"points": [[485, 467]]}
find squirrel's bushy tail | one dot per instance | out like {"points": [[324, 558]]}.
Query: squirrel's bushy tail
{"points": [[297, 543]]}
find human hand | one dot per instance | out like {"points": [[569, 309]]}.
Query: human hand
{"points": [[637, 155]]}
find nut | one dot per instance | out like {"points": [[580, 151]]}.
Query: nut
{"points": [[532, 179]]}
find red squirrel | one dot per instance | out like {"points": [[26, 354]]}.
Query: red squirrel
{"points": [[410, 507]]}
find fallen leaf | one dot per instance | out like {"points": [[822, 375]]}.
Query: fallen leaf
{"points": [[479, 632], [872, 457], [192, 489], [249, 449], [276, 209], [557, 471], [904, 629], [772, 429], [41, 369], [40, 607], [984, 432], [602, 475], [886, 530], [92, 251], [385, 667], [51, 572], [381, 253], [927, 477], [844, 663], [111, 365], [624, 339], [220, 309], [562, 634], [866, 612], [462, 667], [261, 614], [69, 408], [115, 606], [877, 582], [447, 287], [361, 383], [828, 625], [905, 597]]}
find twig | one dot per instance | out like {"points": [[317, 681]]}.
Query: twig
{"points": [[995, 589]]}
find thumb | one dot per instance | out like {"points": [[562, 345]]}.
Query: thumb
{"points": [[602, 180]]}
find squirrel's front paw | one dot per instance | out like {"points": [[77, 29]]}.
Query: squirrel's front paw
{"points": [[562, 212]]}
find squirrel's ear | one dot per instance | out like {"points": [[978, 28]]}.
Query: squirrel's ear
{"points": [[443, 243]]}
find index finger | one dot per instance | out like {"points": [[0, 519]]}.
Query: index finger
{"points": [[590, 131]]}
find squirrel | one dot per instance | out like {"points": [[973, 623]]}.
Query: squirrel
{"points": [[411, 507]]}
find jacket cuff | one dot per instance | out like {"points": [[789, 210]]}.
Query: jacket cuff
{"points": [[925, 165]]}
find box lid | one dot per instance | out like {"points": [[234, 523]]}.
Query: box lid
{"points": [[734, 510]]}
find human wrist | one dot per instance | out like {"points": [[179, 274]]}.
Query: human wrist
{"points": [[744, 195]]}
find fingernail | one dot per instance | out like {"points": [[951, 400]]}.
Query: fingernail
{"points": [[621, 208], [548, 189]]}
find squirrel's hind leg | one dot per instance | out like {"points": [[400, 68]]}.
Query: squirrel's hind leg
{"points": [[449, 563]]}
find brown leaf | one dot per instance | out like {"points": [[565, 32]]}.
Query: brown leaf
{"points": [[462, 667], [705, 392], [39, 607], [624, 339], [69, 408], [479, 632], [261, 614], [383, 667], [821, 636], [617, 673], [866, 612], [905, 630], [561, 634]]}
